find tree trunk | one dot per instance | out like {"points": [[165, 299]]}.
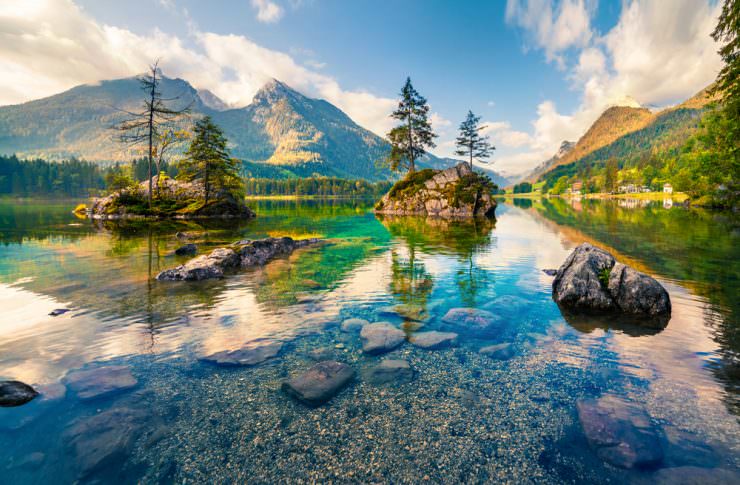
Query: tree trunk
{"points": [[471, 157], [412, 168], [151, 132]]}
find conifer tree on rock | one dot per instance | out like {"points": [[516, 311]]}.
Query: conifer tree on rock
{"points": [[411, 138], [208, 161], [470, 142]]}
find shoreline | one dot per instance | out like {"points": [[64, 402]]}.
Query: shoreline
{"points": [[676, 196]]}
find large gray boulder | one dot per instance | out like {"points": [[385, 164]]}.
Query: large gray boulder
{"points": [[242, 254], [592, 281], [319, 383], [453, 192]]}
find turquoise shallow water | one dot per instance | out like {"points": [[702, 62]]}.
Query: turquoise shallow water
{"points": [[464, 416]]}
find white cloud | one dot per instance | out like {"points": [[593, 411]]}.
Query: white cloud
{"points": [[267, 12], [48, 46], [653, 56]]}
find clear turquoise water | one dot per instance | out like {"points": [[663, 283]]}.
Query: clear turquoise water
{"points": [[464, 417]]}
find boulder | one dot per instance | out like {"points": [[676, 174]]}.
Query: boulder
{"points": [[15, 393], [620, 432], [453, 192], [471, 320], [433, 340], [104, 439], [243, 253], [353, 325], [592, 281], [101, 381], [503, 351], [390, 371], [319, 383], [252, 353], [186, 250], [381, 337]]}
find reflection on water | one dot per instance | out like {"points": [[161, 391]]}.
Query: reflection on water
{"points": [[475, 418]]}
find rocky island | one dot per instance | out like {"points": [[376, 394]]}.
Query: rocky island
{"points": [[173, 199], [454, 192]]}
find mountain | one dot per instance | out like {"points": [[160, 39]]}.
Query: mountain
{"points": [[565, 148], [282, 133], [665, 132], [622, 130]]}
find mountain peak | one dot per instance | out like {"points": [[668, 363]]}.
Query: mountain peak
{"points": [[273, 90]]}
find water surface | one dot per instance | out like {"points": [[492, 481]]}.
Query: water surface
{"points": [[464, 417]]}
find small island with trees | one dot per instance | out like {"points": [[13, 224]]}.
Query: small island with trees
{"points": [[208, 183], [454, 192]]}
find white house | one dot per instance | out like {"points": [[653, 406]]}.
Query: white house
{"points": [[667, 188]]}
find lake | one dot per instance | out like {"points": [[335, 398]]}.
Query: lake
{"points": [[463, 415]]}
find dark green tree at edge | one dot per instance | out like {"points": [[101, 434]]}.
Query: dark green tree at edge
{"points": [[410, 140]]}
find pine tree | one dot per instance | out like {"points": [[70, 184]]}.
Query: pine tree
{"points": [[414, 135], [470, 143], [207, 160]]}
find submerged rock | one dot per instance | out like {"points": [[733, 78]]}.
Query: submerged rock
{"points": [[15, 393], [433, 340], [381, 337], [104, 439], [320, 383], [186, 250], [389, 371], [550, 272], [353, 325], [243, 253], [503, 351], [481, 322], [101, 381], [252, 353], [453, 192], [590, 280], [620, 432], [694, 475]]}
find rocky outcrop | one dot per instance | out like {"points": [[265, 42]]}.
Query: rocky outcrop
{"points": [[454, 192], [592, 281], [15, 393], [173, 199], [320, 383], [242, 254]]}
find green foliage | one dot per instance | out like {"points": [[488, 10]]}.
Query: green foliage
{"points": [[412, 183], [560, 186], [469, 188], [72, 177], [414, 135], [208, 161], [604, 275], [523, 188], [470, 143]]}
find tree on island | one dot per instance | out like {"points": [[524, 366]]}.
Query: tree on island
{"points": [[470, 142], [146, 126], [414, 135], [208, 160]]}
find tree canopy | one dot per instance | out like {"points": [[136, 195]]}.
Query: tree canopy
{"points": [[470, 143], [413, 136]]}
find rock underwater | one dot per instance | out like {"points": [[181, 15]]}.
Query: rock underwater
{"points": [[454, 192], [592, 281], [242, 254]]}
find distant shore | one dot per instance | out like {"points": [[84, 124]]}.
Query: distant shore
{"points": [[676, 196]]}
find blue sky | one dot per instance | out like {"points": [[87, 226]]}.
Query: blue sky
{"points": [[537, 71]]}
